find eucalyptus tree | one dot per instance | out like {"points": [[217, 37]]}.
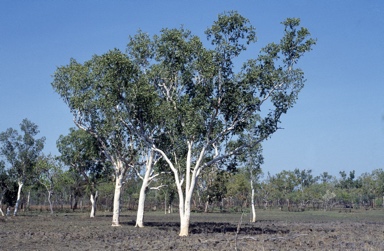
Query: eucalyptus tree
{"points": [[48, 171], [82, 153], [238, 189], [378, 176], [4, 184], [89, 90], [305, 180], [209, 113], [8, 187], [285, 183], [368, 189], [173, 96], [325, 177], [253, 162], [216, 184], [149, 160], [75, 187], [21, 152]]}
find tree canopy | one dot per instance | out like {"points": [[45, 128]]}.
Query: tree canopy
{"points": [[188, 103]]}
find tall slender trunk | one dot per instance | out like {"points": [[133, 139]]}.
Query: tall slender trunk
{"points": [[190, 182], [28, 199], [93, 200], [1, 201], [185, 202], [50, 201], [119, 175], [20, 183], [141, 204], [143, 190], [253, 203]]}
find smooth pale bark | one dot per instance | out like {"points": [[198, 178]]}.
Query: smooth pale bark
{"points": [[119, 175], [1, 201], [184, 225], [185, 196], [185, 210], [20, 183], [116, 201], [185, 215], [185, 204], [50, 201], [140, 207], [253, 203], [93, 200], [144, 186]]}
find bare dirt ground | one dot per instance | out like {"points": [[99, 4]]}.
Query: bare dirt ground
{"points": [[274, 230]]}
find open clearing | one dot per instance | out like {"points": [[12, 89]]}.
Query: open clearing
{"points": [[274, 230]]}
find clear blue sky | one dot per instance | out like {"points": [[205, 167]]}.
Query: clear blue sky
{"points": [[337, 123]]}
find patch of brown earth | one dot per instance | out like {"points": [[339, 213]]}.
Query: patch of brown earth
{"points": [[77, 232]]}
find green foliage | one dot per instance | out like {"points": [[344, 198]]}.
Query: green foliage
{"points": [[82, 153], [305, 178], [93, 91], [10, 194], [8, 186], [190, 104], [218, 188], [171, 88], [47, 171], [238, 186], [21, 151], [348, 182]]}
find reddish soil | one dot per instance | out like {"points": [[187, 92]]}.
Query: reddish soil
{"points": [[207, 232]]}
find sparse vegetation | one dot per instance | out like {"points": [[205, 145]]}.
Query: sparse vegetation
{"points": [[275, 230]]}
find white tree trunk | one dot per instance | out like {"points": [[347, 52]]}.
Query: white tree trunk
{"points": [[93, 200], [253, 204], [140, 207], [185, 206], [1, 201], [20, 183], [184, 225], [50, 201], [144, 186], [185, 215], [190, 181], [119, 175]]}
